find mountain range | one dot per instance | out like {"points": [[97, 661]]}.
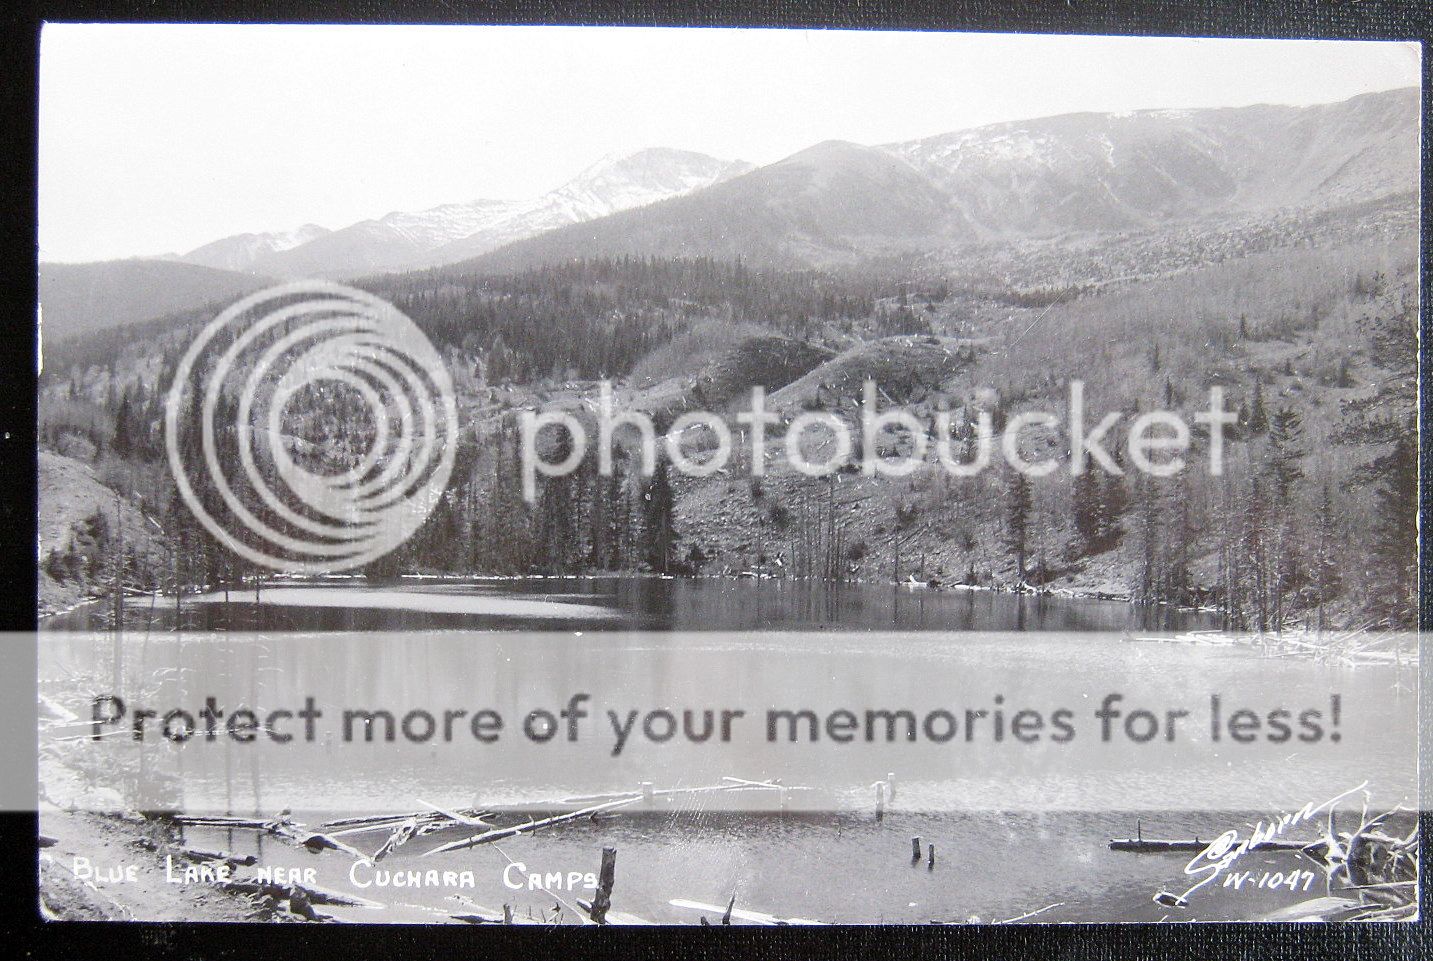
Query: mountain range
{"points": [[835, 203], [457, 231], [1068, 176]]}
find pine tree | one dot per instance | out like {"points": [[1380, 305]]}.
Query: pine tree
{"points": [[123, 442], [1018, 505], [556, 527], [1326, 575], [1395, 542], [1114, 500], [1180, 542], [1284, 452], [1150, 580], [508, 517], [1255, 551], [1258, 417], [1085, 505], [1282, 461], [658, 520]]}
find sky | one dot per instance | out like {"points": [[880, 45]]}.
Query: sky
{"points": [[160, 138]]}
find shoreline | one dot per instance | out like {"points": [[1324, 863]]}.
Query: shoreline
{"points": [[95, 837], [311, 580]]}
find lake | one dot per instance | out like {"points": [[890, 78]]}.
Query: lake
{"points": [[622, 603], [1017, 826]]}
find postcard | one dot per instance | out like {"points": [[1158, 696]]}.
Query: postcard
{"points": [[501, 475]]}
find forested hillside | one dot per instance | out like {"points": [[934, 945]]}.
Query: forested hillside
{"points": [[1316, 348], [1302, 308]]}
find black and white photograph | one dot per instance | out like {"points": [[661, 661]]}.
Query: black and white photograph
{"points": [[600, 475]]}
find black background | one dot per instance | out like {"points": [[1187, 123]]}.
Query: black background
{"points": [[23, 934]]}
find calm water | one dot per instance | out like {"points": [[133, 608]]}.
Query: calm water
{"points": [[1016, 827], [619, 603]]}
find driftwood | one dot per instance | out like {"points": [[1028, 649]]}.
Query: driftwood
{"points": [[306, 893], [602, 903], [280, 827], [1194, 846], [220, 821], [200, 855], [387, 822], [505, 918], [400, 836], [756, 917], [733, 784], [498, 834], [482, 915], [435, 820], [1030, 914], [322, 842]]}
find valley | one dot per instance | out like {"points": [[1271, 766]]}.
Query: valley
{"points": [[1271, 252]]}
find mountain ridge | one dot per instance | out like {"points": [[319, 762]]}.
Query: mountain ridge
{"points": [[453, 231], [1072, 174], [834, 204]]}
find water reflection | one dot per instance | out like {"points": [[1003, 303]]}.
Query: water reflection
{"points": [[624, 603]]}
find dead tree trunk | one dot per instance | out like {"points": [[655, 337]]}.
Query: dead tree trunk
{"points": [[607, 875]]}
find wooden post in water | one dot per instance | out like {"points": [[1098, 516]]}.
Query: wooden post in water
{"points": [[915, 849], [880, 800], [891, 787], [507, 914], [646, 793], [605, 877], [930, 861]]}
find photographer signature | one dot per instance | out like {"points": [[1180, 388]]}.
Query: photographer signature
{"points": [[1224, 852]]}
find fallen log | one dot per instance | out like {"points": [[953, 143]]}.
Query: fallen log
{"points": [[498, 834], [322, 842], [400, 836], [474, 818], [280, 827], [379, 822], [1030, 914], [484, 915], [200, 855], [755, 917], [674, 791], [286, 892], [481, 919], [1150, 845], [222, 821], [1194, 846]]}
